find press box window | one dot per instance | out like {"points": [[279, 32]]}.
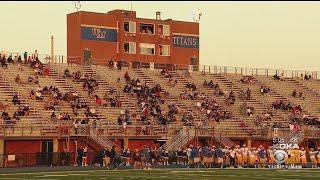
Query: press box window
{"points": [[146, 28], [164, 50], [130, 27], [130, 47], [147, 49], [164, 30]]}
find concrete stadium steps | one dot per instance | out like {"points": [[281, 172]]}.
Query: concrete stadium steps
{"points": [[238, 126], [104, 112], [260, 102], [198, 80], [8, 87], [247, 122], [285, 89], [154, 77]]}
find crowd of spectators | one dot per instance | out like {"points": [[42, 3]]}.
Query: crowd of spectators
{"points": [[297, 94], [264, 90], [149, 100], [113, 64], [279, 78], [280, 104], [245, 95], [212, 110], [248, 80]]}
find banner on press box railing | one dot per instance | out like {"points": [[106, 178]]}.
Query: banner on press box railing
{"points": [[151, 65]]}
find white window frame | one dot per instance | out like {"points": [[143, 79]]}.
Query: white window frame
{"points": [[146, 45], [154, 28], [164, 45], [132, 47], [163, 30], [132, 26]]}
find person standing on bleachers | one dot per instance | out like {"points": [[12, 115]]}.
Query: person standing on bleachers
{"points": [[25, 57], [3, 61]]}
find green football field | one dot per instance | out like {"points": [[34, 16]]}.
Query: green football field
{"points": [[217, 174]]}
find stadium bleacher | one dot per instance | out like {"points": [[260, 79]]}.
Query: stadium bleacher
{"points": [[104, 127]]}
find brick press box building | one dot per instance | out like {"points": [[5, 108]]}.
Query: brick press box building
{"points": [[120, 35]]}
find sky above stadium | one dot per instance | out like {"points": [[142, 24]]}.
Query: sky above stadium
{"points": [[246, 34]]}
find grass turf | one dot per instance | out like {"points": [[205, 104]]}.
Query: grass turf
{"points": [[216, 174]]}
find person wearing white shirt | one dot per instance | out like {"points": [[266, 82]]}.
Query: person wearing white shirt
{"points": [[313, 159], [303, 158], [232, 154], [39, 96]]}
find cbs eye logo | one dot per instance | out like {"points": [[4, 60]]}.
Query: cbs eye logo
{"points": [[280, 156]]}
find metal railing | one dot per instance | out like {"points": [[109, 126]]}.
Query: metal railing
{"points": [[45, 58]]}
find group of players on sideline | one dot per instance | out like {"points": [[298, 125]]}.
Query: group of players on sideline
{"points": [[208, 157]]}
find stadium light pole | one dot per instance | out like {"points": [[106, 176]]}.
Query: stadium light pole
{"points": [[77, 5], [52, 50]]}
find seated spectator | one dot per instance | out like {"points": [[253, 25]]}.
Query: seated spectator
{"points": [[127, 77], [67, 73], [111, 64], [247, 80], [5, 116], [2, 107], [264, 90], [93, 112], [10, 60], [26, 110], [19, 59], [39, 95], [282, 77], [203, 73], [186, 73], [15, 116], [120, 119], [32, 95], [53, 116], [15, 59], [36, 80], [306, 77], [119, 65], [163, 71], [15, 99], [17, 79], [276, 77], [30, 79], [205, 83], [230, 100], [294, 93], [248, 94], [191, 86]]}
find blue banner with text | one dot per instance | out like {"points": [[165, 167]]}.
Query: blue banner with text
{"points": [[99, 34], [185, 41]]}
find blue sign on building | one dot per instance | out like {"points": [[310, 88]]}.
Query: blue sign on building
{"points": [[185, 41], [99, 34]]}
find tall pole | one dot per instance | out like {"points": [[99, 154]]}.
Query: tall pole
{"points": [[52, 51], [77, 5]]}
